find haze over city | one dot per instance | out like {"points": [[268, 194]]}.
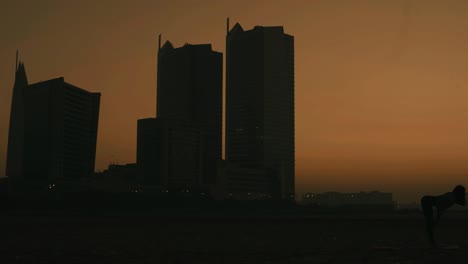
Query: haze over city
{"points": [[380, 85]]}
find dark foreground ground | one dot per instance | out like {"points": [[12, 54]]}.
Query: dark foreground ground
{"points": [[215, 239]]}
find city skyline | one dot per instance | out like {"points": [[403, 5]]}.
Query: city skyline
{"points": [[380, 99]]}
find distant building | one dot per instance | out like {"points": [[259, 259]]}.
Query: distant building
{"points": [[127, 172], [117, 178], [335, 199], [53, 132], [260, 103]]}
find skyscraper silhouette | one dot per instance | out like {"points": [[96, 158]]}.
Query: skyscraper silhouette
{"points": [[53, 132], [190, 89], [260, 103], [61, 130], [187, 131], [15, 151]]}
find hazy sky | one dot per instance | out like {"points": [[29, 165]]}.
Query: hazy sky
{"points": [[381, 86]]}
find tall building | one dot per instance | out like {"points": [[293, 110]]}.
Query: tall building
{"points": [[53, 138], [15, 151], [188, 116], [61, 130], [260, 103]]}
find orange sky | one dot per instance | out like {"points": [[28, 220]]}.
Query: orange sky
{"points": [[381, 86]]}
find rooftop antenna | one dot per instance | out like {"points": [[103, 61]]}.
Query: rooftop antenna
{"points": [[159, 41], [16, 65], [227, 25]]}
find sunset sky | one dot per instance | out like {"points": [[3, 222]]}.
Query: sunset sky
{"points": [[381, 86]]}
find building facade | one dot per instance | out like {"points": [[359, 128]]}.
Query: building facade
{"points": [[61, 135], [242, 183], [169, 153], [260, 103], [148, 157]]}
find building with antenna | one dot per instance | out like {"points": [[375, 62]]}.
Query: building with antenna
{"points": [[186, 135], [260, 106], [15, 151], [53, 132]]}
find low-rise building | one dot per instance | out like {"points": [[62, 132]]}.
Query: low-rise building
{"points": [[336, 199]]}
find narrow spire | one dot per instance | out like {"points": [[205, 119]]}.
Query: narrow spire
{"points": [[16, 64], [227, 26], [21, 74], [159, 42]]}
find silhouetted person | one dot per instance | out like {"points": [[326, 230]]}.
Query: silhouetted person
{"points": [[440, 203]]}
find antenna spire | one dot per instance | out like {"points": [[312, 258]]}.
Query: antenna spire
{"points": [[16, 65], [159, 42], [227, 25]]}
